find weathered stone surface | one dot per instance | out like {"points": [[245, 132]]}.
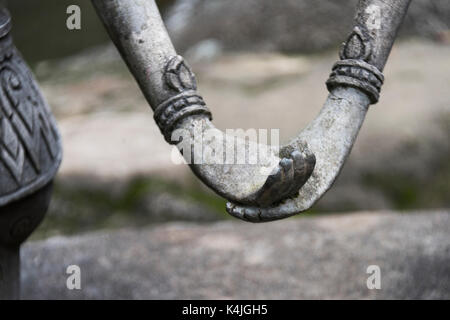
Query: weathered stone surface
{"points": [[312, 257]]}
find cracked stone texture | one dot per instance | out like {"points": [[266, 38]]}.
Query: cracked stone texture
{"points": [[313, 257]]}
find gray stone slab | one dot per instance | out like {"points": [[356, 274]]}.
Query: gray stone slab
{"points": [[312, 257]]}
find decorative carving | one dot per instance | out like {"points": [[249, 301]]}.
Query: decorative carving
{"points": [[30, 147], [184, 100], [354, 70], [179, 76], [356, 47], [357, 74]]}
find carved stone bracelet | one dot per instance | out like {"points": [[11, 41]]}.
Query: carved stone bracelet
{"points": [[354, 70], [186, 101], [296, 177], [357, 74]]}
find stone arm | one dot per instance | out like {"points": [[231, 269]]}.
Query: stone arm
{"points": [[170, 88], [354, 84], [282, 183]]}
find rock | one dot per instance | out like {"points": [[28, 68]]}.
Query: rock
{"points": [[133, 147], [312, 257], [248, 71]]}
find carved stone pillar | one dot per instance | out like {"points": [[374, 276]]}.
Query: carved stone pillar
{"points": [[30, 154]]}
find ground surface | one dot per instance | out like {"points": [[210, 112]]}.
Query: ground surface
{"points": [[312, 257]]}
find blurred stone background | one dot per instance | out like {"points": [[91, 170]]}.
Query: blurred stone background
{"points": [[260, 64]]}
